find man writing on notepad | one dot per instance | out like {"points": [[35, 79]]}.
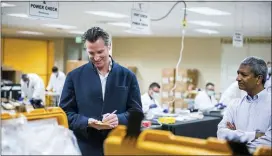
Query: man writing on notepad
{"points": [[99, 95]]}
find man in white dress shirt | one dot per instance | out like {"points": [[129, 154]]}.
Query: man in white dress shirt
{"points": [[248, 119], [233, 91]]}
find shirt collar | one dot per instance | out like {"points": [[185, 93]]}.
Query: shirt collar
{"points": [[260, 95], [110, 66], [150, 96]]}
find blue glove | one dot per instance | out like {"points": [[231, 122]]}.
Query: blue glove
{"points": [[21, 99], [31, 101], [165, 111], [220, 106], [153, 106]]}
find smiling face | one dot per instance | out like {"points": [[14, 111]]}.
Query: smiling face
{"points": [[98, 53], [247, 80]]}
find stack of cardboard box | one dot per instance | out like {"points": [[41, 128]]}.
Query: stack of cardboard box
{"points": [[133, 69], [183, 79], [167, 84], [73, 64]]}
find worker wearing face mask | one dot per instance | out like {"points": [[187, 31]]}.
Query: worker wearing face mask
{"points": [[205, 100], [32, 87], [56, 81], [149, 99]]}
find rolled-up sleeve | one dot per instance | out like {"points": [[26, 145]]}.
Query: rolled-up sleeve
{"points": [[133, 102], [68, 104]]}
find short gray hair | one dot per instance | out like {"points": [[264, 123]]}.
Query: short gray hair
{"points": [[258, 66], [94, 33]]}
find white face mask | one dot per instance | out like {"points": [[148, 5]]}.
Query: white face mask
{"points": [[155, 95], [56, 74], [210, 93]]}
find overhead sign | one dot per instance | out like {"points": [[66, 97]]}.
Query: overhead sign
{"points": [[140, 21], [238, 39], [44, 9]]}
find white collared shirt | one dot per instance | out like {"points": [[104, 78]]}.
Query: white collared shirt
{"points": [[103, 79], [249, 114]]}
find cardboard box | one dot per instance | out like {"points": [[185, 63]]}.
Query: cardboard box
{"points": [[168, 72], [181, 87], [167, 87], [168, 76], [178, 95], [193, 74], [186, 76], [166, 100], [133, 69], [73, 64], [179, 103]]}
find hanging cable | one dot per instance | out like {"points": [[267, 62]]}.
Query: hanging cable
{"points": [[184, 15], [184, 23], [177, 68], [182, 47]]}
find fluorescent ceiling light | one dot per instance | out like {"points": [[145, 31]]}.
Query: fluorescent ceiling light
{"points": [[207, 31], [77, 32], [137, 32], [107, 14], [121, 24], [61, 26], [30, 32], [19, 15], [7, 5], [205, 23], [208, 11]]}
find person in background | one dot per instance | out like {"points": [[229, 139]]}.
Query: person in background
{"points": [[100, 90], [205, 100], [32, 87], [248, 119], [150, 98], [191, 91], [56, 81], [268, 78], [233, 91]]}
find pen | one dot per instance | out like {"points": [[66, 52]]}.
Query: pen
{"points": [[111, 113]]}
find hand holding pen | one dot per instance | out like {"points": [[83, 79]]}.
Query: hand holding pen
{"points": [[111, 119]]}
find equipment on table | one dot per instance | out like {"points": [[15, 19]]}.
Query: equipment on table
{"points": [[11, 91], [131, 141], [167, 120], [39, 132]]}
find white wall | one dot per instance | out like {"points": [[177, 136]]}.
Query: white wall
{"points": [[151, 55], [231, 58]]}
